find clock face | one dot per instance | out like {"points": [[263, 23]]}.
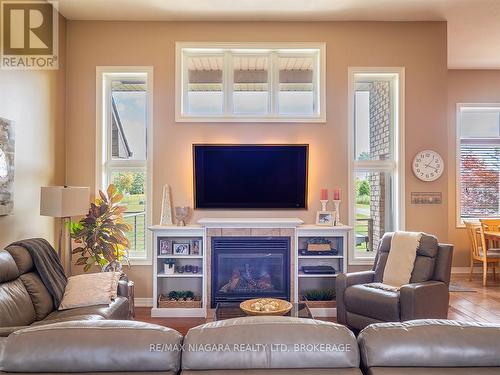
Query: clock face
{"points": [[428, 165]]}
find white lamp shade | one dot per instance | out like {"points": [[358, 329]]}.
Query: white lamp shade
{"points": [[64, 201]]}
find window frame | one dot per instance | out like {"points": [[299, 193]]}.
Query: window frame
{"points": [[104, 162], [395, 166], [458, 141], [273, 51]]}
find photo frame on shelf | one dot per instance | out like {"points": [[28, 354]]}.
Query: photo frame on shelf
{"points": [[195, 247], [181, 248], [164, 246], [325, 218]]}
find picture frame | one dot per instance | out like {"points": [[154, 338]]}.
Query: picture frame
{"points": [[164, 246], [181, 248], [325, 218], [195, 247]]}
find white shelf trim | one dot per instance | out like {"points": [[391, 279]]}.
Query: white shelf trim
{"points": [[317, 275], [250, 222], [180, 275]]}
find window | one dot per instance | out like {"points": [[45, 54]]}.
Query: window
{"points": [[376, 173], [125, 113], [478, 161], [250, 82]]}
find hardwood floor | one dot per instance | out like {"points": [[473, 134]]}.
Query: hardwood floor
{"points": [[477, 304]]}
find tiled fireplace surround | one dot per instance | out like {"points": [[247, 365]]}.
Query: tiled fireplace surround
{"points": [[250, 232]]}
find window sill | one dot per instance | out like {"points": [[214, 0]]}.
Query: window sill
{"points": [[140, 262], [235, 119], [361, 262]]}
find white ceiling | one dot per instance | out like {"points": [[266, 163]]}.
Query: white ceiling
{"points": [[473, 25]]}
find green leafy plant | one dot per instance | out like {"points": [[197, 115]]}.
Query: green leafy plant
{"points": [[101, 235], [181, 295], [326, 294], [170, 261]]}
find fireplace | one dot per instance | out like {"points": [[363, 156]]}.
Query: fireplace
{"points": [[250, 267]]}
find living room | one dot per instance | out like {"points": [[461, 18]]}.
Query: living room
{"points": [[322, 128]]}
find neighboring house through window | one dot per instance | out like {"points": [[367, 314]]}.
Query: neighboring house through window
{"points": [[123, 130], [478, 161], [376, 155]]}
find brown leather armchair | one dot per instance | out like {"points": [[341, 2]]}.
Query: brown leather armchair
{"points": [[426, 296]]}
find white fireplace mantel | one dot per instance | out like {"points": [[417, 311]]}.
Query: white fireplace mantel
{"points": [[250, 222]]}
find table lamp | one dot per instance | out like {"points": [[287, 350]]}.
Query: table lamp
{"points": [[64, 202]]}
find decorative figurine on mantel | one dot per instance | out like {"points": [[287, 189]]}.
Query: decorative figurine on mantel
{"points": [[181, 214], [336, 202], [166, 207]]}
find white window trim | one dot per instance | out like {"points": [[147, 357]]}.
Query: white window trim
{"points": [[319, 100], [458, 126], [101, 148], [398, 149]]}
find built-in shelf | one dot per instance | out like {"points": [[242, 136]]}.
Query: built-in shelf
{"points": [[311, 275], [163, 283], [161, 274]]}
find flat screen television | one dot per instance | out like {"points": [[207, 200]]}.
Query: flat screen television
{"points": [[250, 176]]}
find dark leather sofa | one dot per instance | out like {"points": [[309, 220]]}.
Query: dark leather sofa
{"points": [[430, 347], [25, 301], [425, 297]]}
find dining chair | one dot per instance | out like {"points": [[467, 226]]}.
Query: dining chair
{"points": [[475, 241], [489, 254]]}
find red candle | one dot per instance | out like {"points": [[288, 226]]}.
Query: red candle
{"points": [[336, 194], [324, 194]]}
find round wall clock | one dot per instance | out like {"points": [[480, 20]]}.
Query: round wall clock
{"points": [[428, 165]]}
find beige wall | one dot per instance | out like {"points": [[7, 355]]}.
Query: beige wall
{"points": [[34, 100], [465, 86], [419, 46]]}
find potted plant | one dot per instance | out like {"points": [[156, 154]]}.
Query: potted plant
{"points": [[101, 235], [320, 298], [169, 266]]}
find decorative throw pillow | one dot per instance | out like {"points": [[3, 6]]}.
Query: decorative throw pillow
{"points": [[89, 290]]}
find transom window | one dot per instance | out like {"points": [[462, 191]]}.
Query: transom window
{"points": [[249, 82], [478, 161]]}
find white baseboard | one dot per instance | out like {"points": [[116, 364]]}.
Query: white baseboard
{"points": [[143, 302]]}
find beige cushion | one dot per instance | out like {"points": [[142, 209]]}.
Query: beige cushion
{"points": [[89, 290], [401, 258]]}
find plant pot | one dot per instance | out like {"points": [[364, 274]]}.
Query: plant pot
{"points": [[169, 269]]}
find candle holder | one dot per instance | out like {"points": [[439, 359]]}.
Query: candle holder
{"points": [[336, 204], [324, 204]]}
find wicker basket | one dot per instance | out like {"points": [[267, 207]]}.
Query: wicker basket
{"points": [[319, 304], [319, 247], [165, 303], [282, 309]]}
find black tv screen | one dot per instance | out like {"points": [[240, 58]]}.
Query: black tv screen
{"points": [[250, 176]]}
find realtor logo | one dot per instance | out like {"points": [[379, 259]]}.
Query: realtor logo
{"points": [[29, 35]]}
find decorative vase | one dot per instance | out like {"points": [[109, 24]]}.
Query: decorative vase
{"points": [[181, 214], [169, 268], [114, 266], [337, 212]]}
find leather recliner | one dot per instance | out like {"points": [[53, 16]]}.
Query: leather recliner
{"points": [[430, 347], [426, 296], [25, 301]]}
